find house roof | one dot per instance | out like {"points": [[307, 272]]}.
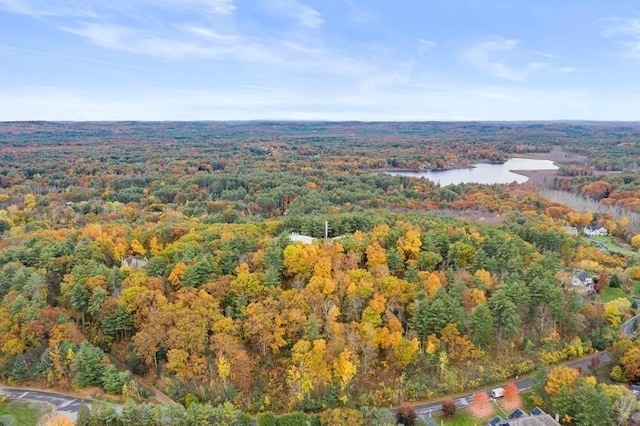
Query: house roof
{"points": [[496, 421], [298, 238], [521, 418], [134, 262], [537, 411], [582, 275], [517, 413]]}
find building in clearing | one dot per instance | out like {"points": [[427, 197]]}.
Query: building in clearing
{"points": [[302, 239], [595, 231]]}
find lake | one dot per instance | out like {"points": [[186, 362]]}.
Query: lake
{"points": [[484, 172]]}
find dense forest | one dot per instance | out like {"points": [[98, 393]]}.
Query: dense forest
{"points": [[166, 253]]}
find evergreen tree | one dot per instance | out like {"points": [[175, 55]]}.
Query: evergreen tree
{"points": [[113, 380], [593, 406], [564, 404], [481, 327], [88, 365], [505, 312], [85, 418]]}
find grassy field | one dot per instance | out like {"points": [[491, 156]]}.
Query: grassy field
{"points": [[607, 294], [611, 245], [463, 418], [22, 413], [636, 287]]}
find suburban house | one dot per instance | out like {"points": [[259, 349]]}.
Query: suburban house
{"points": [[302, 239], [580, 277], [582, 282], [595, 231], [571, 230], [134, 262], [520, 418]]}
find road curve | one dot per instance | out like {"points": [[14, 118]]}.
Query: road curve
{"points": [[65, 404]]}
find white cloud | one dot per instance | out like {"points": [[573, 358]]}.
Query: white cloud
{"points": [[429, 102], [192, 41], [493, 56], [44, 8], [627, 33], [299, 12], [426, 45], [105, 8], [483, 56], [216, 7]]}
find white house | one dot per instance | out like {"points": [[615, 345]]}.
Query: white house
{"points": [[299, 238], [595, 231]]}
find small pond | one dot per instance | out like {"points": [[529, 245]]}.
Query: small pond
{"points": [[484, 172]]}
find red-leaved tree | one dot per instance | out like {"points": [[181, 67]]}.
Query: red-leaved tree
{"points": [[481, 407], [511, 399]]}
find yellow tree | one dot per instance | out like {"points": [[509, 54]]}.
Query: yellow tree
{"points": [[430, 282], [344, 368], [616, 310], [376, 255], [559, 377], [155, 246], [310, 369], [175, 277], [630, 361], [410, 244], [264, 327], [459, 347], [483, 278], [60, 420], [299, 260], [137, 248]]}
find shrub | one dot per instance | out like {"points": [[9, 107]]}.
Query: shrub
{"points": [[449, 407], [292, 419], [406, 415], [267, 419]]}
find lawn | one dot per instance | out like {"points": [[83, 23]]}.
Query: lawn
{"points": [[636, 287], [22, 413], [463, 418], [607, 294], [612, 246]]}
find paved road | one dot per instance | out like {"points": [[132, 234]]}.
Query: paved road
{"points": [[627, 328], [425, 411], [69, 405], [65, 404]]}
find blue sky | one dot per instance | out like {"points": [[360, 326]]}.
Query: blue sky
{"points": [[319, 59]]}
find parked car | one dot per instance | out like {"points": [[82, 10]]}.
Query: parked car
{"points": [[496, 393]]}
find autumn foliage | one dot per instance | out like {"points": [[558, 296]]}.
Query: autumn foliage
{"points": [[511, 399], [178, 250], [481, 407]]}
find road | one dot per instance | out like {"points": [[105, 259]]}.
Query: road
{"points": [[65, 404], [425, 411], [69, 405], [627, 328]]}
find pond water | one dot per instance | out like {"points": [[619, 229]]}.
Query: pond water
{"points": [[484, 172]]}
